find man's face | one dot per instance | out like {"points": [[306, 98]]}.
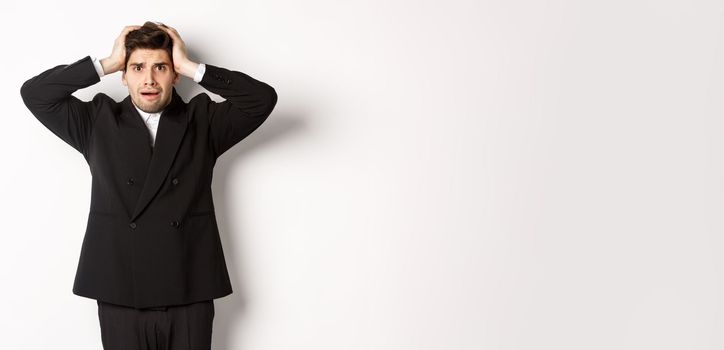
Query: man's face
{"points": [[150, 78]]}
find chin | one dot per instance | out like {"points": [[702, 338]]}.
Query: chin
{"points": [[155, 110], [150, 108]]}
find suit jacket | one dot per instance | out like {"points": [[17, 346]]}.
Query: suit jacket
{"points": [[151, 238]]}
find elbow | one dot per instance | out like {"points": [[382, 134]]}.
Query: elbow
{"points": [[272, 100], [26, 93], [25, 90]]}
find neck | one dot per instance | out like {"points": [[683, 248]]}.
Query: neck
{"points": [[140, 110]]}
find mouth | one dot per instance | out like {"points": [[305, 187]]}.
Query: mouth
{"points": [[150, 95]]}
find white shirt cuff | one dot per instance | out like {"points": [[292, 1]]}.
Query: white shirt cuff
{"points": [[200, 72], [99, 67]]}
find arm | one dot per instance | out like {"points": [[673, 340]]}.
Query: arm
{"points": [[48, 97], [248, 104], [248, 101]]}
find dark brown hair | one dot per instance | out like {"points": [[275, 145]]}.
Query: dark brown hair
{"points": [[149, 36]]}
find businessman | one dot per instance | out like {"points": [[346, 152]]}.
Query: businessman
{"points": [[151, 255]]}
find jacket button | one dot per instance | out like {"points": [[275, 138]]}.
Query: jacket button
{"points": [[174, 223], [130, 181], [174, 181], [133, 225]]}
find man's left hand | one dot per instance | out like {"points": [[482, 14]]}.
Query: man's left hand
{"points": [[181, 63]]}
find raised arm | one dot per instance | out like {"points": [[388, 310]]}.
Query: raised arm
{"points": [[248, 101], [49, 97]]}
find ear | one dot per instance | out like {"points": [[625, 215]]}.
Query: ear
{"points": [[177, 78], [123, 78]]}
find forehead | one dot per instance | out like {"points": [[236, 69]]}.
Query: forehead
{"points": [[149, 56]]}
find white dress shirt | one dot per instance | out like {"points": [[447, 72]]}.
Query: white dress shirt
{"points": [[151, 119]]}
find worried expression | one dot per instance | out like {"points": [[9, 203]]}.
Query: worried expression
{"points": [[150, 78]]}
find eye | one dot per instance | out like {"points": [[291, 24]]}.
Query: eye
{"points": [[161, 67], [137, 68]]}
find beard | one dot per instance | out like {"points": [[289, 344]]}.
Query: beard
{"points": [[151, 106]]}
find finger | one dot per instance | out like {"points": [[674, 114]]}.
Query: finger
{"points": [[127, 30], [168, 29], [130, 28], [171, 29], [163, 27], [173, 34]]}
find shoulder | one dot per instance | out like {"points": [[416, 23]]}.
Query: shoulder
{"points": [[104, 104], [200, 102], [202, 98], [102, 98]]}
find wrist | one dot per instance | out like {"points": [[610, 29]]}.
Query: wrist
{"points": [[188, 68], [110, 66]]}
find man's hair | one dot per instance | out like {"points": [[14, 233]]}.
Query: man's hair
{"points": [[149, 36]]}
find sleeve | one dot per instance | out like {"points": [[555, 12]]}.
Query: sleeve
{"points": [[49, 98], [200, 72], [248, 104], [98, 66]]}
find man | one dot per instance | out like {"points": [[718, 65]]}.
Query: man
{"points": [[151, 255]]}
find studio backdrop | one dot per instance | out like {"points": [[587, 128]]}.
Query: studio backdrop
{"points": [[459, 175]]}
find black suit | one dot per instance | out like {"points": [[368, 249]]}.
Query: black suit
{"points": [[152, 236]]}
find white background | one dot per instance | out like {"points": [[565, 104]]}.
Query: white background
{"points": [[458, 175]]}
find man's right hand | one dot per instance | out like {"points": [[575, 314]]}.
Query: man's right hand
{"points": [[117, 60]]}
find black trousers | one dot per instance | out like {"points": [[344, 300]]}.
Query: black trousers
{"points": [[180, 327]]}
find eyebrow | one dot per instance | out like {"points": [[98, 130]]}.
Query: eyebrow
{"points": [[155, 64]]}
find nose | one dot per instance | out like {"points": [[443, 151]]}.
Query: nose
{"points": [[148, 79]]}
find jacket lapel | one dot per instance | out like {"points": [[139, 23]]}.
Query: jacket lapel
{"points": [[171, 130]]}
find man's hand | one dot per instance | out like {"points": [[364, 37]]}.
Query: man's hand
{"points": [[181, 62], [117, 60]]}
